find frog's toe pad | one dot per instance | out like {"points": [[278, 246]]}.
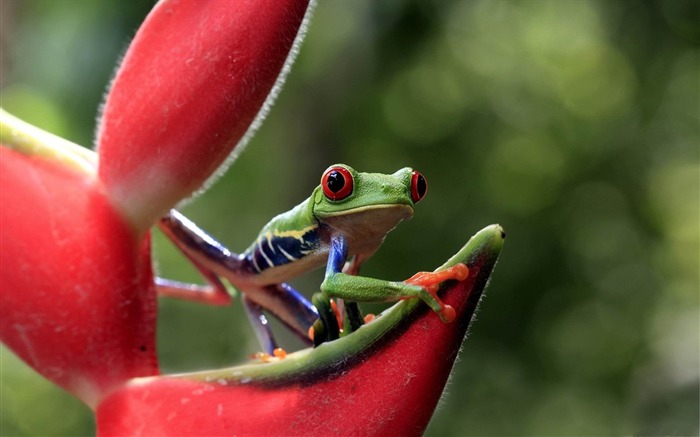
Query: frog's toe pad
{"points": [[264, 357], [448, 313]]}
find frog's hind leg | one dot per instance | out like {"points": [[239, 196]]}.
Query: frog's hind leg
{"points": [[212, 295], [261, 326], [216, 263], [287, 305], [208, 255], [205, 253]]}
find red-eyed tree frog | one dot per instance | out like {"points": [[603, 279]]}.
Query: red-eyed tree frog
{"points": [[341, 225]]}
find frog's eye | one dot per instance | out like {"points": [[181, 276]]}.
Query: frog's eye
{"points": [[419, 187], [337, 183]]}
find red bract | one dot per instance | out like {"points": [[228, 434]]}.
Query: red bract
{"points": [[78, 297], [384, 379], [78, 302], [193, 79]]}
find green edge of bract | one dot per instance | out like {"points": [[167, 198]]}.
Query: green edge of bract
{"points": [[29, 140]]}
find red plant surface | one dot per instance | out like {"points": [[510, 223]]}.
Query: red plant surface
{"points": [[77, 292], [194, 78], [78, 301]]}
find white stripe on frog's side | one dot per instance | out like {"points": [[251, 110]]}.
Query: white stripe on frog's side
{"points": [[255, 263], [289, 257], [264, 255], [278, 248], [268, 238]]}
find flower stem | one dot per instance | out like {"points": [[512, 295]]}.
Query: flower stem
{"points": [[29, 140]]}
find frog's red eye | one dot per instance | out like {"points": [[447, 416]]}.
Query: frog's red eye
{"points": [[419, 187], [337, 183]]}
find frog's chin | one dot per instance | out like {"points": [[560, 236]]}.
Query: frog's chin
{"points": [[366, 227]]}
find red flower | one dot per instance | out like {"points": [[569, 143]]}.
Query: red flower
{"points": [[78, 301], [78, 296]]}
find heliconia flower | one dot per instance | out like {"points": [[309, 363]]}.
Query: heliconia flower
{"points": [[78, 298], [77, 287], [77, 294]]}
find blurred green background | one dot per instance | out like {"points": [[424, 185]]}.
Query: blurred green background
{"points": [[573, 123]]}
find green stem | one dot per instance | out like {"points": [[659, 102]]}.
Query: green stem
{"points": [[29, 140]]}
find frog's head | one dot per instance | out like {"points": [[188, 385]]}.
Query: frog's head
{"points": [[366, 205]]}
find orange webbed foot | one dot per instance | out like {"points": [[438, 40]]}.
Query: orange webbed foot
{"points": [[431, 282], [278, 353]]}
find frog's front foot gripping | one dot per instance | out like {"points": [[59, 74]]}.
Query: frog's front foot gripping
{"points": [[423, 285], [430, 282]]}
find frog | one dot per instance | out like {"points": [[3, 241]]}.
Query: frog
{"points": [[341, 225]]}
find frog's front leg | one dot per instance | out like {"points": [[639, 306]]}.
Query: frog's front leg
{"points": [[363, 289]]}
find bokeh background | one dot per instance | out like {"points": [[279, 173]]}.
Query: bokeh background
{"points": [[573, 123]]}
